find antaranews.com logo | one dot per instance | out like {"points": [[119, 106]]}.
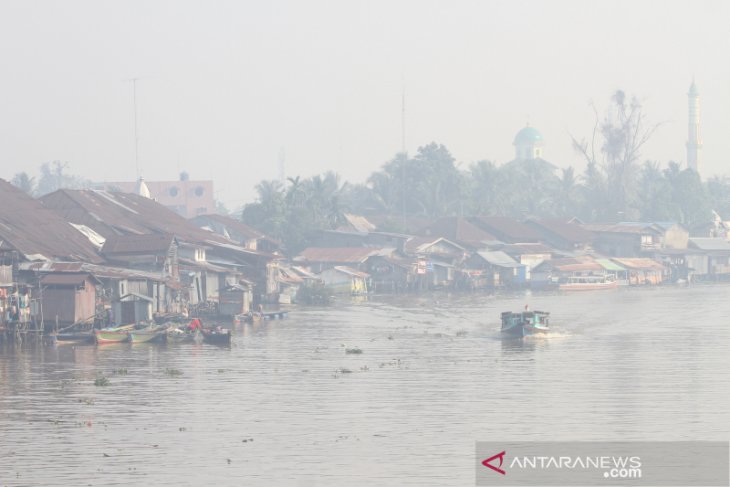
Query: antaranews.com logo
{"points": [[700, 463], [620, 467]]}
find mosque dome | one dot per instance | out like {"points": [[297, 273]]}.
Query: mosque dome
{"points": [[528, 135]]}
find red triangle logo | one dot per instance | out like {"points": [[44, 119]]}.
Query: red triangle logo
{"points": [[489, 465]]}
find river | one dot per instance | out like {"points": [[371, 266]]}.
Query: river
{"points": [[287, 405]]}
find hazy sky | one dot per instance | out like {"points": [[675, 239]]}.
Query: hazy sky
{"points": [[224, 87]]}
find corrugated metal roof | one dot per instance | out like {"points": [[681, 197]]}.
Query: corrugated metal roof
{"points": [[236, 229], [499, 259], [66, 279], [98, 271], [571, 232], [710, 243], [353, 255], [609, 265], [579, 267], [111, 214], [638, 263], [37, 233], [415, 245], [623, 228], [521, 249], [507, 229], [351, 272], [154, 243], [459, 230], [357, 223]]}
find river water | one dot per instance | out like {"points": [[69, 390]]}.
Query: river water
{"points": [[286, 405]]}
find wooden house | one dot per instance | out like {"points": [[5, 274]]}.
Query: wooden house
{"points": [[68, 298], [345, 280]]}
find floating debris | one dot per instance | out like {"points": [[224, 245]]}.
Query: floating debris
{"points": [[101, 382], [356, 351], [461, 333], [345, 371], [173, 372], [120, 372]]}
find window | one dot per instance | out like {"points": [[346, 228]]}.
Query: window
{"points": [[173, 191], [199, 191]]}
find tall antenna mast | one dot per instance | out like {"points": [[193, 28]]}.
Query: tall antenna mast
{"points": [[136, 138], [404, 156]]}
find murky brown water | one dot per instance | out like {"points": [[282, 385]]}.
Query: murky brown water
{"points": [[287, 406]]}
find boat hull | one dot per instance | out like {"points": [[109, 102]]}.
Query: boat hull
{"points": [[72, 338], [177, 335], [526, 323], [521, 331], [109, 336], [584, 286], [146, 336], [217, 337]]}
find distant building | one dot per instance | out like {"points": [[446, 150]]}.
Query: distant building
{"points": [[528, 144], [186, 197]]}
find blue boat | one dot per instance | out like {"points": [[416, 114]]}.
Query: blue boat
{"points": [[525, 323]]}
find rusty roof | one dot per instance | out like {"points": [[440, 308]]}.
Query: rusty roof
{"points": [[98, 271], [526, 248], [351, 255], [37, 233], [506, 229], [113, 213], [154, 243], [66, 279], [637, 229], [640, 263], [459, 230], [233, 227], [568, 231]]}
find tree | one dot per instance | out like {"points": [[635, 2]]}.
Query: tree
{"points": [[656, 190], [614, 150], [54, 177], [692, 198], [428, 184], [718, 189], [568, 196], [24, 182], [485, 190]]}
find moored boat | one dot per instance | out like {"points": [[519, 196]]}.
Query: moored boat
{"points": [[148, 334], [216, 336], [587, 283], [72, 338], [112, 335], [525, 323], [181, 335]]}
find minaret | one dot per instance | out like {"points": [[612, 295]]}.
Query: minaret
{"points": [[694, 142]]}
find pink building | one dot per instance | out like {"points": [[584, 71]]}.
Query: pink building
{"points": [[186, 197]]}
